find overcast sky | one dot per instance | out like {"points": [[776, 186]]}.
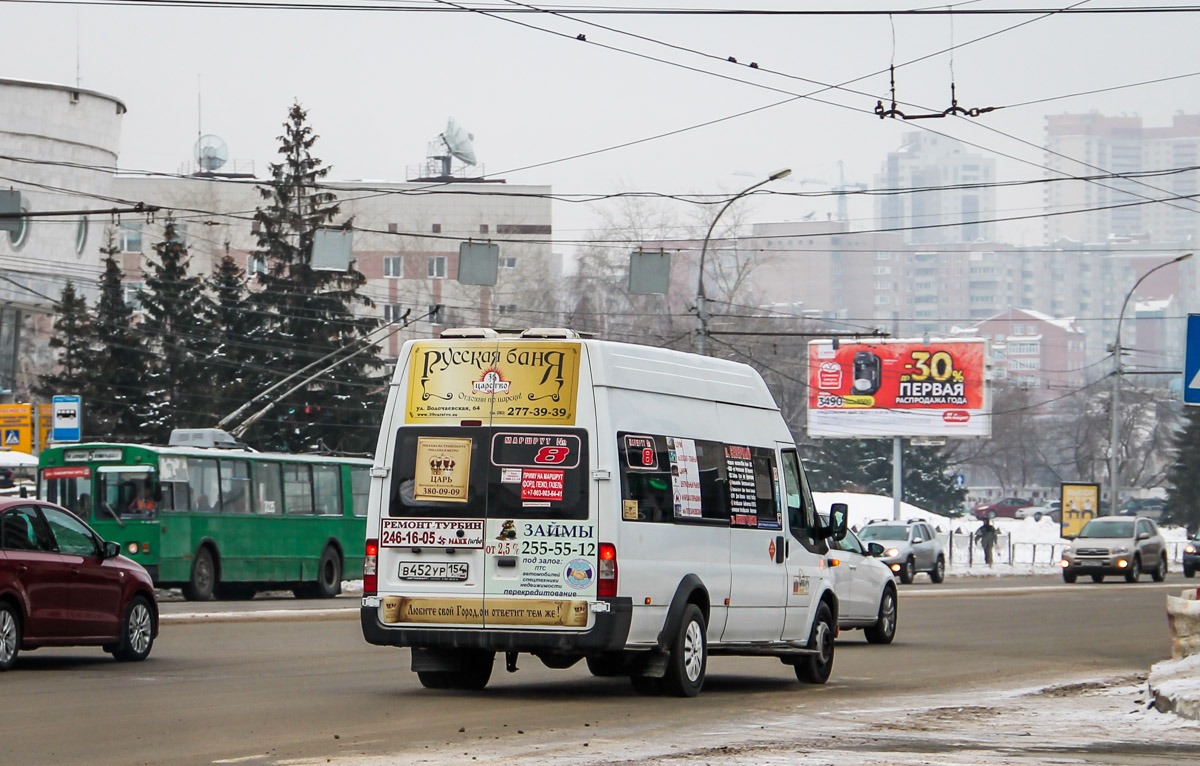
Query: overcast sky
{"points": [[380, 86]]}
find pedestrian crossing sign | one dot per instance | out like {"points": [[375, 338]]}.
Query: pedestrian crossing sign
{"points": [[12, 437]]}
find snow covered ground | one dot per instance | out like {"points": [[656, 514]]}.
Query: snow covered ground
{"points": [[1090, 721]]}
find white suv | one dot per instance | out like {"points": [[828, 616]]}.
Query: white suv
{"points": [[908, 547]]}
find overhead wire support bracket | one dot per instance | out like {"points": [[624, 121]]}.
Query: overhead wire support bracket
{"points": [[953, 109]]}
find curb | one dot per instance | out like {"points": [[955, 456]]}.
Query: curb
{"points": [[1175, 687], [263, 615]]}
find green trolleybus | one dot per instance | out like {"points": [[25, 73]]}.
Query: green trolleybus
{"points": [[219, 522]]}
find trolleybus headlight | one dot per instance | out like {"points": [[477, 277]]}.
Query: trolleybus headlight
{"points": [[133, 548]]}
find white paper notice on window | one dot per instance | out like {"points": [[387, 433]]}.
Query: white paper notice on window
{"points": [[685, 477]]}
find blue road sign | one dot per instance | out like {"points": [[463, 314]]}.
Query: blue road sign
{"points": [[960, 480], [65, 426], [1191, 361], [12, 437]]}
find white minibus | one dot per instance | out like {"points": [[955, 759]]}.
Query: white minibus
{"points": [[634, 507]]}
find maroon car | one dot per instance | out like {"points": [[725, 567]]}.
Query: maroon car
{"points": [[61, 585], [1006, 508]]}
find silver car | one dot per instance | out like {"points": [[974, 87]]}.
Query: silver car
{"points": [[865, 589], [909, 547], [1116, 545]]}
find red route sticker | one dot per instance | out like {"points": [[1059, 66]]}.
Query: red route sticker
{"points": [[771, 549], [541, 484]]}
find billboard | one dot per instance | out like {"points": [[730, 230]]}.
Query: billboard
{"points": [[1079, 504], [898, 388]]}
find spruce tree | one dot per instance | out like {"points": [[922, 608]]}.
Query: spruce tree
{"points": [[1183, 493], [118, 374], [865, 465], [74, 339], [175, 327], [309, 313], [232, 322]]}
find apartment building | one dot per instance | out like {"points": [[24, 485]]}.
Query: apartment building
{"points": [[1095, 144]]}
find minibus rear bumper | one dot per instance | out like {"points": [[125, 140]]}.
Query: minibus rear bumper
{"points": [[608, 634]]}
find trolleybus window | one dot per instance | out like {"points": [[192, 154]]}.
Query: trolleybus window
{"points": [[203, 484], [327, 486], [360, 490], [297, 489], [125, 492], [235, 486], [268, 489]]}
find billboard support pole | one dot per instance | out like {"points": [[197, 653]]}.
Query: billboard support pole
{"points": [[897, 478]]}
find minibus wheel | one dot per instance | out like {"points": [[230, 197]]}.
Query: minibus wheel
{"points": [[688, 661], [815, 668]]}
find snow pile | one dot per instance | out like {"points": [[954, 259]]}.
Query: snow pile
{"points": [[1175, 686]]}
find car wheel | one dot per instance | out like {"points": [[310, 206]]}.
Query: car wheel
{"points": [[329, 574], [908, 571], [1160, 572], [884, 629], [1037, 516], [1069, 577], [1189, 572], [203, 582], [1097, 578], [1134, 571], [137, 632], [10, 635], [688, 660], [990, 514], [938, 573], [815, 668]]}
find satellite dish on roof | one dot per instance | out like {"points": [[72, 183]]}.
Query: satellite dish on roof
{"points": [[458, 142], [210, 152]]}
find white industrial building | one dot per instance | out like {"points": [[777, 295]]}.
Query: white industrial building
{"points": [[59, 147]]}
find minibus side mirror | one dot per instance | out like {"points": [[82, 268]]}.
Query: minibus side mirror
{"points": [[838, 514]]}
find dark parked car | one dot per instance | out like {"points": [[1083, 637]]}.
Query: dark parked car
{"points": [[61, 585], [1006, 507], [1191, 558]]}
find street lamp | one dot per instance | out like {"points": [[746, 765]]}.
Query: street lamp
{"points": [[1114, 470], [701, 298]]}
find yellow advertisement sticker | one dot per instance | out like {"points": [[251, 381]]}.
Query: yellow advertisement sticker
{"points": [[497, 611], [1079, 505], [443, 469], [497, 382]]}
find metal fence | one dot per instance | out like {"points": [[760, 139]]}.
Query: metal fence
{"points": [[963, 551]]}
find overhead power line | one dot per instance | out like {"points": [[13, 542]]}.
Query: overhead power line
{"points": [[421, 7]]}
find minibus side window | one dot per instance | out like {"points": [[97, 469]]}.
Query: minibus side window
{"points": [[802, 519], [714, 481], [764, 488]]}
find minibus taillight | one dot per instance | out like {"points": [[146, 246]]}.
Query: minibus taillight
{"points": [[370, 568], [606, 584]]}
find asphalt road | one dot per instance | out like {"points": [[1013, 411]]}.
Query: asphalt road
{"points": [[250, 691]]}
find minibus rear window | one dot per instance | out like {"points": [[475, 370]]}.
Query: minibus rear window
{"points": [[486, 472]]}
